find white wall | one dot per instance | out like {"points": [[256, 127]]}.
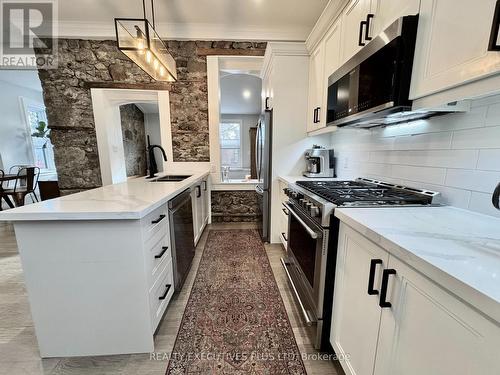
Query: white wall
{"points": [[14, 148], [232, 89], [247, 122], [457, 155]]}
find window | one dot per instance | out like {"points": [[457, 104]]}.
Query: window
{"points": [[230, 143], [43, 151]]}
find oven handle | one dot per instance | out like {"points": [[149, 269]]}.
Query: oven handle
{"points": [[305, 313], [311, 232]]}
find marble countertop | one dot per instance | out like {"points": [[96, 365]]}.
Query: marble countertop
{"points": [[133, 199], [458, 249]]}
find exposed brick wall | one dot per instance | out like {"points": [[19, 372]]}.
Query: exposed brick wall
{"points": [[235, 206], [69, 105]]}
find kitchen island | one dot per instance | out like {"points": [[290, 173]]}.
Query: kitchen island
{"points": [[98, 265]]}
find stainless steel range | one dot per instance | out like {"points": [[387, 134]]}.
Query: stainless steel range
{"points": [[313, 237]]}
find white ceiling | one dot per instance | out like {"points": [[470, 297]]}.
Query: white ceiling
{"points": [[24, 78], [240, 94], [196, 19]]}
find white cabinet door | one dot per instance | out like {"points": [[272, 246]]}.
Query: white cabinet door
{"points": [[332, 43], [452, 45], [356, 314], [387, 11], [354, 13], [316, 84], [205, 201], [429, 331]]}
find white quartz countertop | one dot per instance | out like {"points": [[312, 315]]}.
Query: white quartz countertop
{"points": [[133, 199], [458, 249]]}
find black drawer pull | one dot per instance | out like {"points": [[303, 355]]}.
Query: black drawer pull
{"points": [[360, 41], [285, 211], [371, 277], [496, 197], [163, 251], [383, 292], [166, 292], [284, 237], [159, 219], [198, 191], [369, 17]]}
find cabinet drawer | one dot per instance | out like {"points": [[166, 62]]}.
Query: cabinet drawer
{"points": [[157, 251], [161, 293], [154, 222]]}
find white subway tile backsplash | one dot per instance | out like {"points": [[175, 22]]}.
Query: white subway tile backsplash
{"points": [[489, 160], [428, 158], [457, 155], [481, 202], [424, 174], [487, 137], [482, 181]]}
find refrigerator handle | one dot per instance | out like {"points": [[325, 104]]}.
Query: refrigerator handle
{"points": [[257, 148]]}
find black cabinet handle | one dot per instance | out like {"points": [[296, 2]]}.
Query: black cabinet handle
{"points": [[371, 277], [369, 17], [360, 40], [204, 185], [314, 116], [267, 102], [317, 114], [285, 211], [162, 297], [495, 30], [163, 251], [383, 292], [159, 219], [283, 234], [198, 191], [496, 197]]}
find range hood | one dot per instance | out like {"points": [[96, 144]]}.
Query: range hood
{"points": [[371, 89]]}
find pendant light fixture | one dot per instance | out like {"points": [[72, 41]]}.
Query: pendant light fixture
{"points": [[138, 39]]}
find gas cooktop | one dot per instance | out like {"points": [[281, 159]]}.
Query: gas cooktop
{"points": [[365, 192]]}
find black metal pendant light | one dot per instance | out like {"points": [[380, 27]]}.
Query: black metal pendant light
{"points": [[138, 39]]}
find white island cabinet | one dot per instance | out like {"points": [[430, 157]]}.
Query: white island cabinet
{"points": [[98, 266], [416, 292]]}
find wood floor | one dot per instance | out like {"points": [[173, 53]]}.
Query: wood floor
{"points": [[18, 348]]}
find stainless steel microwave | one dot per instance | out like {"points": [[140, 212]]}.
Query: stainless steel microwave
{"points": [[372, 88]]}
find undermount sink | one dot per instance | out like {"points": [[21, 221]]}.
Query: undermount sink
{"points": [[170, 178]]}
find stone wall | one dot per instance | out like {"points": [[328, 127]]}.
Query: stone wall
{"points": [[134, 139], [91, 63], [235, 206]]}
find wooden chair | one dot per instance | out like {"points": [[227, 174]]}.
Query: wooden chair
{"points": [[25, 183]]}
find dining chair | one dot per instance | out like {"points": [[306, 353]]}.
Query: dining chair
{"points": [[25, 183]]}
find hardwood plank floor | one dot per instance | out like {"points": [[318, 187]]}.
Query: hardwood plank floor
{"points": [[18, 348]]}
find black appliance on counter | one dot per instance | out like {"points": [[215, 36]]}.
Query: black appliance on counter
{"points": [[180, 212], [372, 88], [313, 238]]}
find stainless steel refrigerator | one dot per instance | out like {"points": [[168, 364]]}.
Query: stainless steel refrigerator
{"points": [[263, 165]]}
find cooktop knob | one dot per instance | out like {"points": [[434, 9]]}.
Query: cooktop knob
{"points": [[314, 210]]}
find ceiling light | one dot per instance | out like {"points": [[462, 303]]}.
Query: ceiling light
{"points": [[247, 94], [138, 39]]}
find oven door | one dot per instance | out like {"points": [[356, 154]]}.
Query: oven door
{"points": [[306, 261]]}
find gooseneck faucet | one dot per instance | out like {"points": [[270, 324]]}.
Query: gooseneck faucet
{"points": [[153, 167]]}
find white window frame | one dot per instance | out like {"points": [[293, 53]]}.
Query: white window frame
{"points": [[27, 103], [240, 123]]}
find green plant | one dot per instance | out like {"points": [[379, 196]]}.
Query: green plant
{"points": [[42, 131]]}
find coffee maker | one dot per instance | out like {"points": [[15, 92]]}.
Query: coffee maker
{"points": [[320, 162]]}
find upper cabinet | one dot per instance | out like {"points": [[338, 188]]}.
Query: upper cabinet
{"points": [[387, 11], [452, 45], [316, 85], [356, 22]]}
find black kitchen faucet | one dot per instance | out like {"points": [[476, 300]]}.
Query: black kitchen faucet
{"points": [[153, 167]]}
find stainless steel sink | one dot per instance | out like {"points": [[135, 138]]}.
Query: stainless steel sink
{"points": [[170, 178]]}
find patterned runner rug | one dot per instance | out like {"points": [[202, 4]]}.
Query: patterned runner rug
{"points": [[235, 321]]}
